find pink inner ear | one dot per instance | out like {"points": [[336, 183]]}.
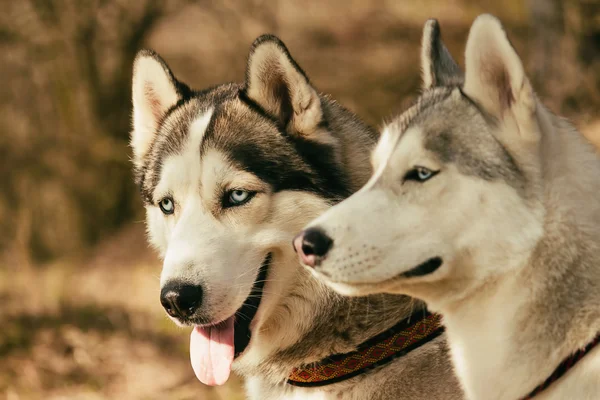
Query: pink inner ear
{"points": [[497, 77], [153, 102]]}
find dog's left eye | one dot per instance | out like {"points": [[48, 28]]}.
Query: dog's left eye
{"points": [[419, 174], [237, 197], [166, 206]]}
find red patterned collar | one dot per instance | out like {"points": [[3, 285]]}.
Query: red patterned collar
{"points": [[397, 341], [563, 368]]}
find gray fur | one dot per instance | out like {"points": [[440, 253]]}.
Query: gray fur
{"points": [[513, 212], [438, 66], [453, 141]]}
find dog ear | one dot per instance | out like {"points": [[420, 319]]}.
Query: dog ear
{"points": [[495, 77], [154, 91], [437, 65], [279, 86]]}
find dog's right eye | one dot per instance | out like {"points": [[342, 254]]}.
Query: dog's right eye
{"points": [[419, 174], [167, 206], [237, 197]]}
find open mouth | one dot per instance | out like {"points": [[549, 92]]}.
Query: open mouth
{"points": [[244, 316], [423, 269], [214, 347]]}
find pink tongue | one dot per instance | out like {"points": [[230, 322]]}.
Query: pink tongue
{"points": [[211, 352]]}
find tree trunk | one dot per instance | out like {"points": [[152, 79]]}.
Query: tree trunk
{"points": [[589, 40], [548, 29]]}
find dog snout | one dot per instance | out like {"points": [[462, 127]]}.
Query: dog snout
{"points": [[180, 300], [312, 245]]}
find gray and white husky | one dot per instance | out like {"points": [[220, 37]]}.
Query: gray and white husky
{"points": [[486, 206], [228, 175]]}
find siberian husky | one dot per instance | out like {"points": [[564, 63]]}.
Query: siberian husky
{"points": [[228, 175], [487, 207]]}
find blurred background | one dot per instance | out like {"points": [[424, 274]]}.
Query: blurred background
{"points": [[79, 310]]}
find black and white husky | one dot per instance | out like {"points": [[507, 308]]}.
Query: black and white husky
{"points": [[228, 175]]}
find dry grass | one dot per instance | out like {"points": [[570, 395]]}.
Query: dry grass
{"points": [[92, 328]]}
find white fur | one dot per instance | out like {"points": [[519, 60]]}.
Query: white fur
{"points": [[224, 254], [503, 288], [221, 255], [384, 243], [153, 93]]}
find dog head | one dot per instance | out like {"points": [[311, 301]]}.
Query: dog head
{"points": [[455, 195], [229, 174]]}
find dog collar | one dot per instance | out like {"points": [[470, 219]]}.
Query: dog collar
{"points": [[563, 368], [407, 335]]}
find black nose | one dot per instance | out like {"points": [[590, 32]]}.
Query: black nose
{"points": [[180, 300], [315, 242]]}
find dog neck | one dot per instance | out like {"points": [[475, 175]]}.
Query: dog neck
{"points": [[311, 323], [407, 335], [515, 331]]}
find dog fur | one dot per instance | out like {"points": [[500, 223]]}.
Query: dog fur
{"points": [[486, 206], [297, 152]]}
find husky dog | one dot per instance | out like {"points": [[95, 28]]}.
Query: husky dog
{"points": [[228, 176], [486, 206]]}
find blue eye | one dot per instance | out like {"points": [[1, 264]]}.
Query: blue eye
{"points": [[237, 197], [423, 174], [420, 174], [167, 206]]}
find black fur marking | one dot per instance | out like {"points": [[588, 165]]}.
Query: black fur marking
{"points": [[444, 71], [297, 163], [255, 159], [334, 182], [245, 315], [318, 175], [172, 133], [423, 269]]}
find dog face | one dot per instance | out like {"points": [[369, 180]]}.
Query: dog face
{"points": [[228, 175], [455, 196], [204, 215]]}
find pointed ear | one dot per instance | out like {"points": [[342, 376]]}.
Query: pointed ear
{"points": [[437, 65], [154, 91], [278, 85], [495, 77]]}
